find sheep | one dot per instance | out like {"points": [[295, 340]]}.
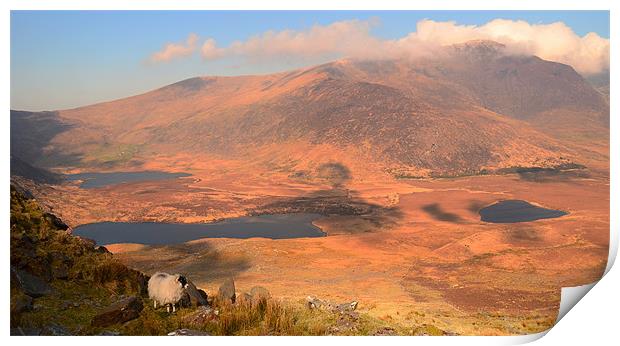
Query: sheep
{"points": [[167, 289]]}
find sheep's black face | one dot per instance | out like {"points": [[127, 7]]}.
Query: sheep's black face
{"points": [[182, 281]]}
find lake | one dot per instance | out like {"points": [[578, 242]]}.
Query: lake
{"points": [[511, 211], [276, 226], [94, 180]]}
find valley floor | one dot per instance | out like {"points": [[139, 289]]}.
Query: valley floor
{"points": [[415, 254]]}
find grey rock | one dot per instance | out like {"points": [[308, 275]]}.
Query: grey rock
{"points": [[201, 316], [19, 331], [346, 307], [245, 297], [15, 279], [109, 333], [258, 293], [188, 332], [122, 311], [32, 285], [57, 222], [101, 249], [21, 303], [227, 291], [194, 296], [89, 243], [316, 303], [55, 330], [385, 331], [60, 271]]}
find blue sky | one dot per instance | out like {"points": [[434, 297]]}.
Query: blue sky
{"points": [[63, 59]]}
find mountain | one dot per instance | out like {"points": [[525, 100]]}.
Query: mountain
{"points": [[600, 82], [39, 175], [470, 108]]}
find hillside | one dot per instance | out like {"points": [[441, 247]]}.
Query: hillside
{"points": [[470, 109], [64, 285]]}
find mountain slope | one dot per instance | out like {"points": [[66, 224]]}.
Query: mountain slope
{"points": [[471, 108]]}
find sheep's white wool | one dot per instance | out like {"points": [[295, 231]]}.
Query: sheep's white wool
{"points": [[165, 288]]}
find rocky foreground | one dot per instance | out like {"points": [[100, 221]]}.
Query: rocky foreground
{"points": [[66, 285]]}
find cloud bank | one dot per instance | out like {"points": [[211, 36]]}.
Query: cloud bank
{"points": [[588, 54], [556, 41], [172, 51]]}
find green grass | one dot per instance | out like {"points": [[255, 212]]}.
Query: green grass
{"points": [[114, 154], [265, 317]]}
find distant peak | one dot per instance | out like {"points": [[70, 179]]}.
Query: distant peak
{"points": [[480, 44], [478, 49], [191, 84]]}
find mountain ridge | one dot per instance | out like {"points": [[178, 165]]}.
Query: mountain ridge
{"points": [[472, 108]]}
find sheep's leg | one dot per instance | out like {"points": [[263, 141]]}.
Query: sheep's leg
{"points": [[168, 308], [154, 304], [174, 308]]}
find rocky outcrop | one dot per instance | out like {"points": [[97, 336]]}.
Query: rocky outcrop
{"points": [[188, 332], [226, 291], [120, 312], [316, 303], [19, 331], [201, 316], [194, 296], [385, 331], [31, 284], [258, 293], [55, 330], [20, 303]]}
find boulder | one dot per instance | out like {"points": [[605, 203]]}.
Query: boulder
{"points": [[87, 242], [32, 285], [258, 293], [122, 311], [15, 280], [346, 307], [245, 297], [55, 330], [20, 303], [201, 316], [101, 249], [109, 333], [385, 331], [60, 271], [316, 303], [204, 295], [188, 332], [56, 221], [19, 331], [227, 291], [194, 296]]}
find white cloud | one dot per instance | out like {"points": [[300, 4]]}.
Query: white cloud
{"points": [[349, 38], [556, 41], [176, 50], [588, 54]]}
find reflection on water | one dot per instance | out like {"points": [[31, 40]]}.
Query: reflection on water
{"points": [[511, 211], [276, 226], [94, 180]]}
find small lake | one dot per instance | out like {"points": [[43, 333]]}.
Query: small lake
{"points": [[511, 211], [94, 180], [276, 226]]}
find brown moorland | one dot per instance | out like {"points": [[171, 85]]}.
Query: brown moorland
{"points": [[398, 157]]}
